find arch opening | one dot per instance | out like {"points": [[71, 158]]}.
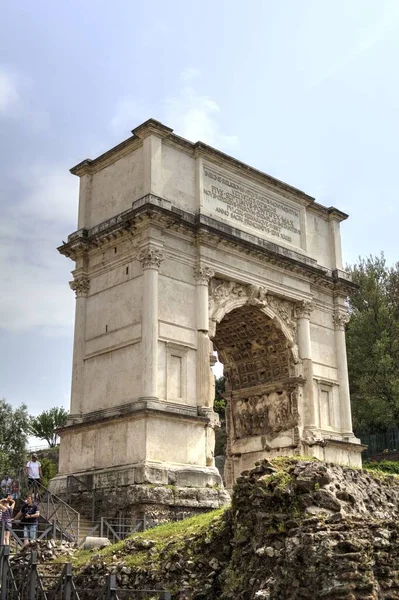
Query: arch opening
{"points": [[262, 388]]}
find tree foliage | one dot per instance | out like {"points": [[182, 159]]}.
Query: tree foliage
{"points": [[220, 402], [14, 431], [373, 344], [44, 426]]}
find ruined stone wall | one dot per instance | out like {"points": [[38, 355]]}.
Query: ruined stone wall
{"points": [[296, 530]]}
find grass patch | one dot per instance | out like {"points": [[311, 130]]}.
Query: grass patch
{"points": [[389, 467], [162, 534]]}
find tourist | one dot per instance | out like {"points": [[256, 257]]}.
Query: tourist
{"points": [[30, 514], [6, 483], [33, 471], [7, 507], [15, 489]]}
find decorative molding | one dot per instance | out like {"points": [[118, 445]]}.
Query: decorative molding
{"points": [[203, 274], [227, 295], [340, 319], [284, 309], [303, 309], [150, 258], [80, 285]]}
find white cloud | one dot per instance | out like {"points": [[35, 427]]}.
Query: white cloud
{"points": [[33, 273], [16, 101], [191, 114], [189, 74], [196, 116], [9, 97]]}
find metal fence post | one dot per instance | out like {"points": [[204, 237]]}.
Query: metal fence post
{"points": [[32, 577], [68, 582], [4, 567], [102, 527], [93, 504], [111, 587], [144, 522]]}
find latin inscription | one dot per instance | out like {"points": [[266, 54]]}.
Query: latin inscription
{"points": [[240, 203]]}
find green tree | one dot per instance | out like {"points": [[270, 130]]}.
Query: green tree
{"points": [[220, 408], [49, 470], [373, 344], [45, 425], [220, 402], [14, 431]]}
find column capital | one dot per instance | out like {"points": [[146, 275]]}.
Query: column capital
{"points": [[80, 285], [150, 257], [303, 309], [203, 274], [340, 319]]}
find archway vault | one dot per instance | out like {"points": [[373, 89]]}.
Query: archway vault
{"points": [[255, 337]]}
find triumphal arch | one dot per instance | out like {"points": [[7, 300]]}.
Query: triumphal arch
{"points": [[181, 251]]}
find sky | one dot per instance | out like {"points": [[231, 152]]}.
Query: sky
{"points": [[306, 91]]}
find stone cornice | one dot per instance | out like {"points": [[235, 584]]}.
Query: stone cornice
{"points": [[155, 210], [151, 127], [197, 149], [139, 409]]}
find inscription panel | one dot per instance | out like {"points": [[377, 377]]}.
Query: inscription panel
{"points": [[247, 206]]}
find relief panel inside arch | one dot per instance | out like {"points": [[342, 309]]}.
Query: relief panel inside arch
{"points": [[262, 384]]}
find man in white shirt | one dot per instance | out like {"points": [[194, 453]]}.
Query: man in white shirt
{"points": [[6, 485], [33, 471]]}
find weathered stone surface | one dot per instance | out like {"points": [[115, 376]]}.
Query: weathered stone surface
{"points": [[91, 543], [297, 530]]}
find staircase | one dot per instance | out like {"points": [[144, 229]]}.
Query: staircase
{"points": [[54, 510]]}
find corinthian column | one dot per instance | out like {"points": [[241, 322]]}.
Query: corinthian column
{"points": [[202, 275], [303, 311], [341, 318], [150, 258], [80, 285]]}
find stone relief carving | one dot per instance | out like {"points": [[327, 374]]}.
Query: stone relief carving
{"points": [[285, 310], [203, 274], [150, 258], [80, 285], [256, 295], [304, 308], [340, 319], [221, 291], [254, 351], [266, 414]]}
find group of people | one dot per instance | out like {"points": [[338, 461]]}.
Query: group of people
{"points": [[28, 514], [10, 486]]}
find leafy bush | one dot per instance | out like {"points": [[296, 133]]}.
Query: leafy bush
{"points": [[384, 466], [49, 470]]}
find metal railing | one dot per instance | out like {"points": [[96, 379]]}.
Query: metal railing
{"points": [[54, 509], [380, 442], [115, 529], [44, 531], [24, 581]]}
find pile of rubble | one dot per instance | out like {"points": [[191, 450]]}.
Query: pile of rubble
{"points": [[46, 550]]}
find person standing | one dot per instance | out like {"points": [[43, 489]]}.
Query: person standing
{"points": [[30, 513], [7, 507], [33, 472], [6, 484]]}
